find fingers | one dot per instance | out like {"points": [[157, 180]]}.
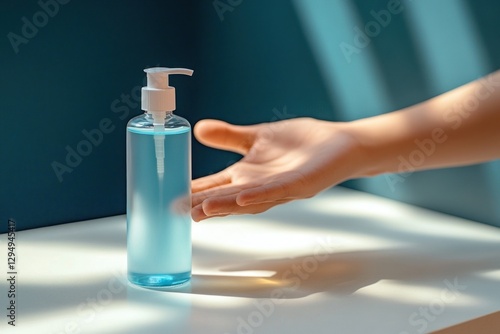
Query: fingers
{"points": [[242, 195], [220, 205], [222, 135], [211, 181], [225, 206], [265, 193], [215, 193], [232, 199]]}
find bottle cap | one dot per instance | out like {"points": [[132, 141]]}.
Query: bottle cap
{"points": [[158, 96]]}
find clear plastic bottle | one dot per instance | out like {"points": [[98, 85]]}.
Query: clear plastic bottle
{"points": [[159, 188]]}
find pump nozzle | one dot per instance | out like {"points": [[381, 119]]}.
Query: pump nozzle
{"points": [[158, 95], [158, 76], [158, 99]]}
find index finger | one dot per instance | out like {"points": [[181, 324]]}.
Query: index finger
{"points": [[211, 181]]}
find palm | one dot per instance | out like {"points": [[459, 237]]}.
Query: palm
{"points": [[270, 156], [282, 161]]}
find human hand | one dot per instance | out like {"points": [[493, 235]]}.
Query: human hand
{"points": [[283, 161]]}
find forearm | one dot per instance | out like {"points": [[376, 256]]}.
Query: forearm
{"points": [[457, 128]]}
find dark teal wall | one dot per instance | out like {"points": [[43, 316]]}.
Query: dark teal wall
{"points": [[63, 81], [254, 66], [254, 61], [270, 54]]}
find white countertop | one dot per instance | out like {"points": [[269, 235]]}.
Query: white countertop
{"points": [[342, 262]]}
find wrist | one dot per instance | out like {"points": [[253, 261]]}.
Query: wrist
{"points": [[355, 157], [371, 147]]}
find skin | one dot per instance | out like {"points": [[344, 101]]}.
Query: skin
{"points": [[298, 158]]}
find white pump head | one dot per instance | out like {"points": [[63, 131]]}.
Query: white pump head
{"points": [[158, 96]]}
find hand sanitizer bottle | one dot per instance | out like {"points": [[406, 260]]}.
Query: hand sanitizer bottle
{"points": [[159, 187]]}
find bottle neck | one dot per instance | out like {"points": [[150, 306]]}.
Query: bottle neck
{"points": [[165, 115]]}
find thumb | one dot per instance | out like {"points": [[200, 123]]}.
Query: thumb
{"points": [[225, 136]]}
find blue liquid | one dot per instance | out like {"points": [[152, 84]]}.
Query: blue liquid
{"points": [[158, 208]]}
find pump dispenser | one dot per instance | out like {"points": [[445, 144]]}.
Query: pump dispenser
{"points": [[158, 98], [159, 187]]}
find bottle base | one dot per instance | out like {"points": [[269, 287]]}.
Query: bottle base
{"points": [[159, 280]]}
